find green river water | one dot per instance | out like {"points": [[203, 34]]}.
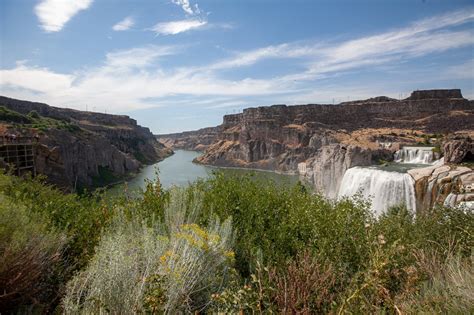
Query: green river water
{"points": [[179, 170]]}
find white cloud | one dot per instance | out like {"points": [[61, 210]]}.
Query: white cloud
{"points": [[254, 56], [186, 6], [54, 14], [138, 57], [124, 25], [417, 39], [34, 78], [136, 78], [176, 27], [123, 82]]}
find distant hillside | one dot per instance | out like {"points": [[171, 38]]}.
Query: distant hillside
{"points": [[77, 148], [197, 140]]}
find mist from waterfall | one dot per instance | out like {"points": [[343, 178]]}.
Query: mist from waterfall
{"points": [[384, 189], [414, 155]]}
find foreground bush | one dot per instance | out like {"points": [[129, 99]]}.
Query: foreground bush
{"points": [[80, 217], [169, 266], [30, 259], [373, 260], [172, 251]]}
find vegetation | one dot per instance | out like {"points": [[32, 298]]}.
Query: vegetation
{"points": [[35, 121], [229, 245], [12, 116]]}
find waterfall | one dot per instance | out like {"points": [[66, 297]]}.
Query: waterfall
{"points": [[384, 189], [414, 155]]}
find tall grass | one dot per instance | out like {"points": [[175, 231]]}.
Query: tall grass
{"points": [[447, 289], [168, 266]]}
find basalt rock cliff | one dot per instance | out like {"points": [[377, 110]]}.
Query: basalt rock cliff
{"points": [[320, 142], [198, 140], [77, 149]]}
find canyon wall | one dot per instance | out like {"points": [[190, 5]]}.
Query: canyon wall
{"points": [[77, 149], [326, 140], [198, 140], [320, 142]]}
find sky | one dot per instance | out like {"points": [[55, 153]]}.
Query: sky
{"points": [[176, 65]]}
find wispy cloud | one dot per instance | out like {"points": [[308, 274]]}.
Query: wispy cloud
{"points": [[136, 78], [139, 57], [186, 6], [123, 81], [176, 27], [279, 51], [418, 39], [54, 14], [124, 25], [462, 71]]}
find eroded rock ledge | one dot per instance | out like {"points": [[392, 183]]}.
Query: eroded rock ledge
{"points": [[79, 149]]}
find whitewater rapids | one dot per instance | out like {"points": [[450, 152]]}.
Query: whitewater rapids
{"points": [[414, 155]]}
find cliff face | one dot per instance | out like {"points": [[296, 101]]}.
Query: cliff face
{"points": [[198, 140], [279, 137], [83, 149], [321, 142]]}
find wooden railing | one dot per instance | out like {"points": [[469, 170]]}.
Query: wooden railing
{"points": [[18, 154]]}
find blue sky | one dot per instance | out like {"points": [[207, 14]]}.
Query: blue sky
{"points": [[179, 65]]}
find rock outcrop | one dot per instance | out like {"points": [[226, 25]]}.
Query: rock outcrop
{"points": [[198, 140], [279, 137], [457, 151], [435, 94], [442, 184], [78, 149]]}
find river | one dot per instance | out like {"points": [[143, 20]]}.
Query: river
{"points": [[179, 170]]}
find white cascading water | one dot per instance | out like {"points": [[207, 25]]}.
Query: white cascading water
{"points": [[384, 189], [415, 155]]}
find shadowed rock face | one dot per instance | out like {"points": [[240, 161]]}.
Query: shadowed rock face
{"points": [[98, 145], [435, 94], [457, 151]]}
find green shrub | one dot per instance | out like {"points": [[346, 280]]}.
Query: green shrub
{"points": [[30, 259], [170, 266], [33, 114], [301, 286], [12, 116], [280, 222], [81, 218]]}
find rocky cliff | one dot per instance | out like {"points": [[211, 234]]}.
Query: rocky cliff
{"points": [[443, 184], [198, 140], [325, 140], [78, 149]]}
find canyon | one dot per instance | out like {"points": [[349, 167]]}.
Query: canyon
{"points": [[78, 149], [322, 142]]}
